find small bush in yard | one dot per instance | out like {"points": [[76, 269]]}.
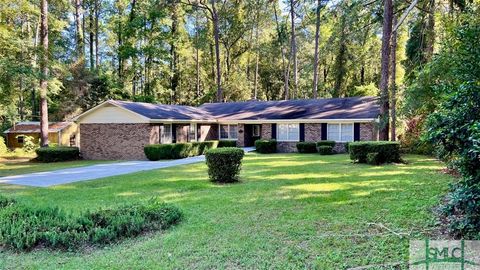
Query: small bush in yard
{"points": [[325, 150], [55, 154], [387, 151], [326, 143], [207, 145], [227, 144], [156, 152], [374, 158], [306, 147], [224, 164], [182, 150], [26, 227], [266, 146]]}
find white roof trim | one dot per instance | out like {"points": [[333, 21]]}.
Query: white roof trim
{"points": [[109, 102]]}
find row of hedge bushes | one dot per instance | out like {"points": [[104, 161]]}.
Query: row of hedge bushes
{"points": [[182, 150], [374, 152], [322, 147], [25, 227], [57, 153], [224, 164]]}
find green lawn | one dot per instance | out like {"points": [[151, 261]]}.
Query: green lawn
{"points": [[290, 211], [22, 166]]}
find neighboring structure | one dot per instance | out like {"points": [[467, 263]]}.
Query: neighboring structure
{"points": [[120, 129], [61, 133]]}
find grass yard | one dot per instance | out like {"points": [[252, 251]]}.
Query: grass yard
{"points": [[22, 166], [291, 211]]}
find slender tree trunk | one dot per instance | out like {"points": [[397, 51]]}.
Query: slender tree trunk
{"points": [[79, 29], [44, 73], [384, 99], [216, 36], [294, 48], [92, 36], [315, 56], [97, 18], [173, 53], [393, 85], [430, 33], [255, 83], [284, 64], [197, 56]]}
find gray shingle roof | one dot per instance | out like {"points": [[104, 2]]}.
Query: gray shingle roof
{"points": [[162, 111], [332, 108]]}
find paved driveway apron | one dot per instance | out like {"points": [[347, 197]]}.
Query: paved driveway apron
{"points": [[64, 176]]}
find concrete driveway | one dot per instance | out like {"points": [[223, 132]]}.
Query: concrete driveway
{"points": [[64, 176]]}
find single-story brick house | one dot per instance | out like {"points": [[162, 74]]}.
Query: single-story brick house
{"points": [[120, 129], [61, 133]]}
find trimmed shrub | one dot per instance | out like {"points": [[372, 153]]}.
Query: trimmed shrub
{"points": [[182, 150], [26, 227], [227, 144], [156, 152], [266, 146], [178, 150], [55, 154], [326, 143], [325, 150], [207, 145], [374, 158], [387, 151], [306, 147], [224, 164]]}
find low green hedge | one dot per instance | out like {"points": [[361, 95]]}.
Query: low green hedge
{"points": [[266, 146], [227, 143], [156, 152], [55, 154], [306, 147], [224, 164], [326, 143], [24, 227], [178, 150], [374, 158], [325, 150], [387, 151]]}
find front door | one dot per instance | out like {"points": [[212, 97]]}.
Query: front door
{"points": [[252, 133]]}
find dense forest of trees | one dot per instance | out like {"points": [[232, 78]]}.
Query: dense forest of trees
{"points": [[195, 51]]}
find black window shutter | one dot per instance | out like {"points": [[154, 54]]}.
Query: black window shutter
{"points": [[324, 131], [174, 133], [356, 131], [274, 131], [302, 132], [199, 131]]}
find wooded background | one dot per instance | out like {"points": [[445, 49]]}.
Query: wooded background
{"points": [[192, 52]]}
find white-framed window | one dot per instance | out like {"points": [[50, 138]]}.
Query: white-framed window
{"points": [[228, 132], [20, 139], [256, 131], [166, 133], [341, 132], [192, 132], [288, 132]]}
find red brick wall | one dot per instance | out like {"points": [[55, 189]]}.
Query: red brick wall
{"points": [[116, 141], [313, 132]]}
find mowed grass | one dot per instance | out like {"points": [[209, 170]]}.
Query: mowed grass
{"points": [[290, 211], [23, 166]]}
